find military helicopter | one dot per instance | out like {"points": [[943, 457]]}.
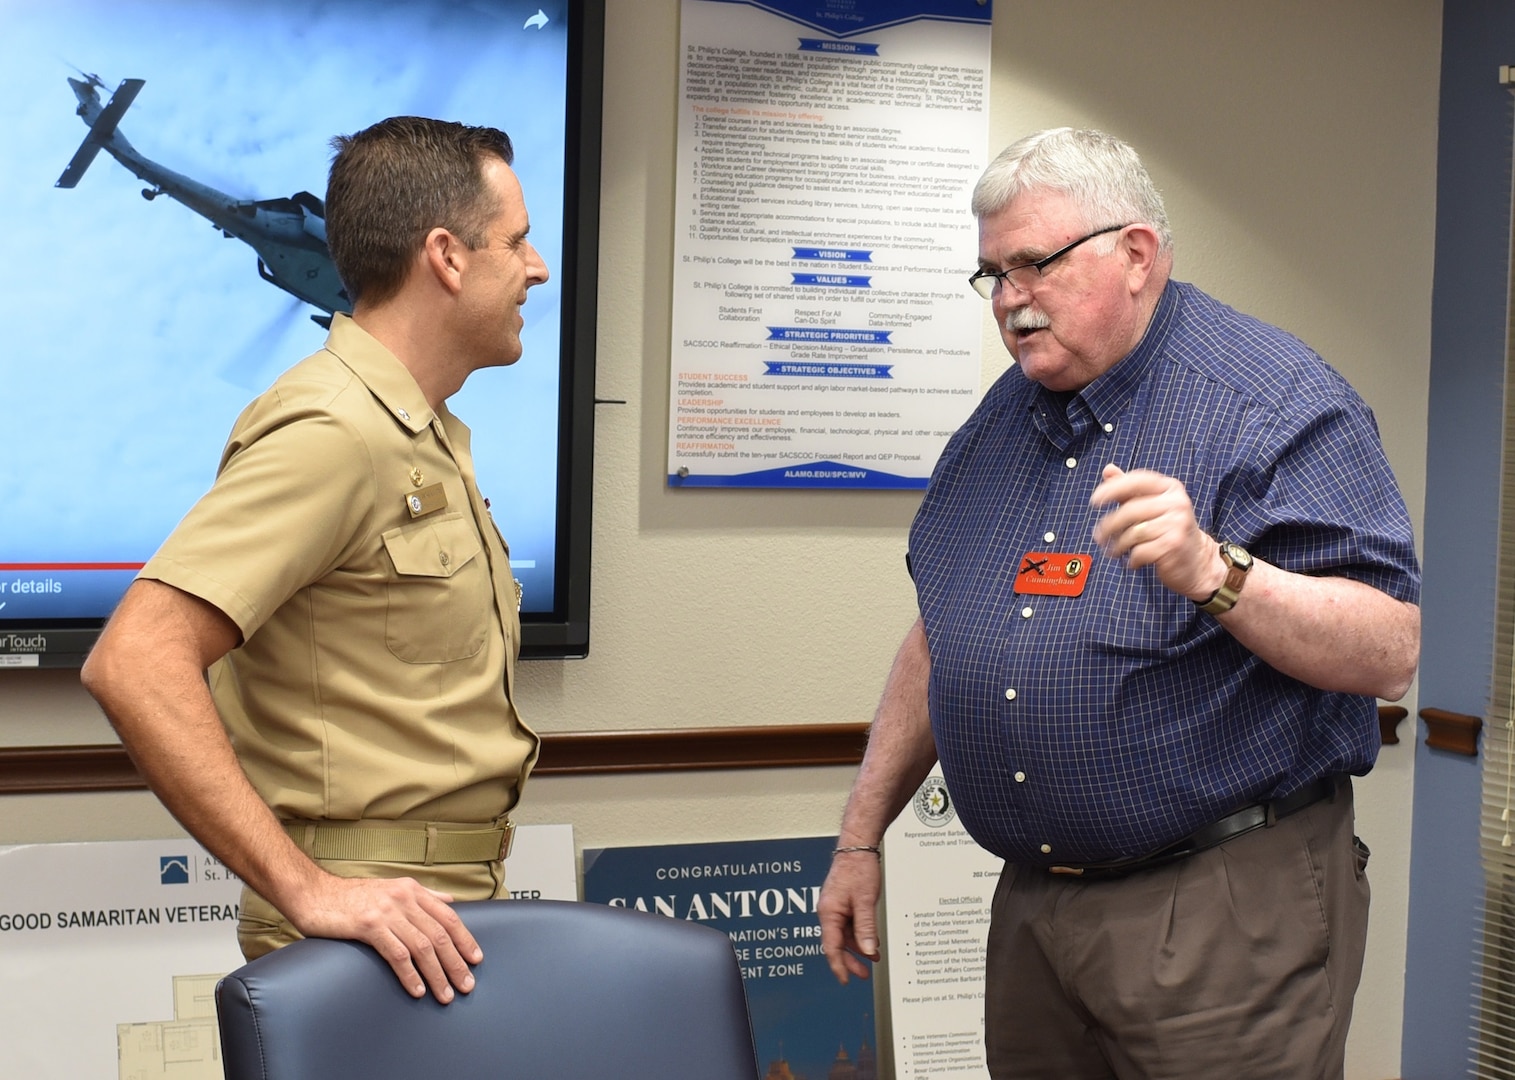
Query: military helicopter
{"points": [[288, 234]]}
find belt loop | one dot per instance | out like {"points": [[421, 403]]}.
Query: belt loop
{"points": [[1270, 818], [431, 844], [308, 841]]}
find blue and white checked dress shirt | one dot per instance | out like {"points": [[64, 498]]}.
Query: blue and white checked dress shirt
{"points": [[1111, 724]]}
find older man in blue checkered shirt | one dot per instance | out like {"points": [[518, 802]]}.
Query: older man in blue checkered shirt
{"points": [[1163, 572]]}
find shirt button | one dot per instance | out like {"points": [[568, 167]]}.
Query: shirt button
{"points": [[445, 558], [1010, 694], [1025, 613], [1072, 462], [1046, 849], [1109, 428], [1048, 537], [1020, 778]]}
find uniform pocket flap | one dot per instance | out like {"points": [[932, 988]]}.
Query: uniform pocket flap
{"points": [[432, 548]]}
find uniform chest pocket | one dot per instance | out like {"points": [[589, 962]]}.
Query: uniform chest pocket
{"points": [[440, 600]]}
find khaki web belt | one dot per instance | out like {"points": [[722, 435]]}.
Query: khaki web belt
{"points": [[422, 842]]}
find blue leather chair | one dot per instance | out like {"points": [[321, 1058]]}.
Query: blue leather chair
{"points": [[566, 991]]}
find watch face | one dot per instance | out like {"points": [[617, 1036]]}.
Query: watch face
{"points": [[1236, 556]]}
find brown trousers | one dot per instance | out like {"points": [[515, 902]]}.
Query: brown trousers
{"points": [[1239, 963], [261, 928]]}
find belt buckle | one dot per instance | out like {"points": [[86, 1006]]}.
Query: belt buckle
{"points": [[507, 838]]}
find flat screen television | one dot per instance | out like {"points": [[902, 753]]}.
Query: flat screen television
{"points": [[162, 259]]}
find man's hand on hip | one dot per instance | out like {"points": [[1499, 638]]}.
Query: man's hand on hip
{"points": [[412, 927], [1151, 523]]}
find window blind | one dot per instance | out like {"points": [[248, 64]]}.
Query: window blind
{"points": [[1494, 978]]}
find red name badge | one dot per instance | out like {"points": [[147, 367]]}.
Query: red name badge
{"points": [[1052, 573]]}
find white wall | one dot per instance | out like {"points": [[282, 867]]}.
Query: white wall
{"points": [[1295, 143]]}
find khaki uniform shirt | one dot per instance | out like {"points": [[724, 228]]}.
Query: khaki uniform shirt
{"points": [[375, 675]]}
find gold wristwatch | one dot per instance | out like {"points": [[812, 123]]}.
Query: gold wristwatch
{"points": [[1238, 562]]}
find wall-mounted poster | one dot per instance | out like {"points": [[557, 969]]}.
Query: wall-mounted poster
{"points": [[111, 951], [824, 334], [938, 886], [762, 893]]}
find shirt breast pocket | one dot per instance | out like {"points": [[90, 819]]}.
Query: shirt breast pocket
{"points": [[1138, 617], [440, 600]]}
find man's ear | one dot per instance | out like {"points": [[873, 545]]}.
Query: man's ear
{"points": [[445, 257], [1138, 245]]}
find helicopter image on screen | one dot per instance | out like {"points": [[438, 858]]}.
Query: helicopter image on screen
{"points": [[288, 234]]}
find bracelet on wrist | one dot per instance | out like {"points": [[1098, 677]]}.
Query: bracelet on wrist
{"points": [[857, 847]]}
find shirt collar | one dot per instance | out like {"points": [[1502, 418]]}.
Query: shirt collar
{"points": [[1108, 395], [386, 378]]}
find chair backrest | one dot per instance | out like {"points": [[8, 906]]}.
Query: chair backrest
{"points": [[566, 991]]}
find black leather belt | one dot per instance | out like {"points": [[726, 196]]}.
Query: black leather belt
{"points": [[1256, 816]]}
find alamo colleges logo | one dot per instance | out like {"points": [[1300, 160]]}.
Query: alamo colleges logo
{"points": [[932, 803]]}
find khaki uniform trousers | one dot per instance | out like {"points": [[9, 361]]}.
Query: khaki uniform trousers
{"points": [[261, 928], [1238, 962]]}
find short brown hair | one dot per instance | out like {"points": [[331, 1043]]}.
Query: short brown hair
{"points": [[394, 182]]}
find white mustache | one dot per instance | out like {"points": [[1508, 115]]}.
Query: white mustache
{"points": [[1027, 319]]}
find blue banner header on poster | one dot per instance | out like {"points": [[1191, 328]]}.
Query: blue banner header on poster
{"points": [[833, 254], [840, 281], [846, 19], [819, 474], [830, 335], [854, 48], [828, 371]]}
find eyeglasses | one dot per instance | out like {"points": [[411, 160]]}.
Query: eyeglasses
{"points": [[1025, 276]]}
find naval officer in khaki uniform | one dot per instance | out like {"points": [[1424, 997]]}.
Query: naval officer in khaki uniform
{"points": [[355, 751]]}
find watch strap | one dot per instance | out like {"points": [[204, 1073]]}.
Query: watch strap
{"points": [[1224, 598]]}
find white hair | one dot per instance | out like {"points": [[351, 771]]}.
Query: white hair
{"points": [[1102, 175]]}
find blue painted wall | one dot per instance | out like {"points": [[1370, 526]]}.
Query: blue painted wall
{"points": [[1461, 522]]}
